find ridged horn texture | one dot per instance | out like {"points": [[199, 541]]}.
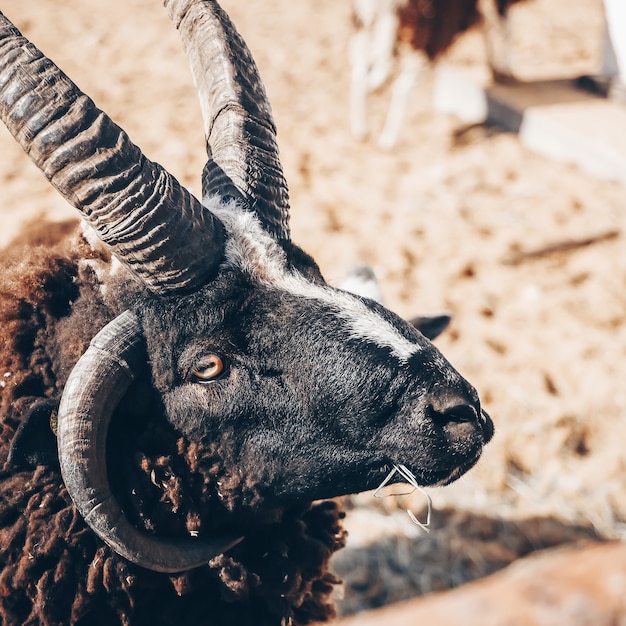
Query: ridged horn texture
{"points": [[95, 387], [239, 128], [150, 222]]}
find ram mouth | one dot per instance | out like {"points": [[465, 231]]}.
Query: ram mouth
{"points": [[441, 479], [426, 478], [454, 475]]}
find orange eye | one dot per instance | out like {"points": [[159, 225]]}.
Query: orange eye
{"points": [[207, 368]]}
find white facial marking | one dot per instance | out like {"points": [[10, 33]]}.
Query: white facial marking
{"points": [[250, 249]]}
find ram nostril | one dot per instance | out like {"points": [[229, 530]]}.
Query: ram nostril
{"points": [[460, 413], [487, 424]]}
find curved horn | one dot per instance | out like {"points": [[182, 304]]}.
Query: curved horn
{"points": [[151, 223], [98, 382], [239, 128]]}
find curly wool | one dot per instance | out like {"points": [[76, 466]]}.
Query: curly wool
{"points": [[57, 572], [53, 570], [40, 285]]}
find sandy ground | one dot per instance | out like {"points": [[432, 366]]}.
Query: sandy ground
{"points": [[543, 340]]}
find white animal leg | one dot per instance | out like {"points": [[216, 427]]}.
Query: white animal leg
{"points": [[384, 33], [413, 63], [496, 31], [358, 84], [371, 55]]}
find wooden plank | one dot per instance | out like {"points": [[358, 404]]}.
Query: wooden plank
{"points": [[552, 117]]}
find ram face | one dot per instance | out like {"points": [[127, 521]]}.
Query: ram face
{"points": [[291, 390]]}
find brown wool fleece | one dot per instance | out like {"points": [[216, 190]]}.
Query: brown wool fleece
{"points": [[53, 570]]}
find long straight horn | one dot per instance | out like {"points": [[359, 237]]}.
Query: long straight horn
{"points": [[150, 222], [239, 128]]}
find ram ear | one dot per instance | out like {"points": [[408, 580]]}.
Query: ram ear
{"points": [[431, 326], [361, 281], [34, 442]]}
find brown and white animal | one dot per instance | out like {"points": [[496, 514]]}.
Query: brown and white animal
{"points": [[167, 475], [413, 34]]}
